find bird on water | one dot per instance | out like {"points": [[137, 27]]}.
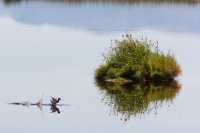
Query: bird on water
{"points": [[54, 100]]}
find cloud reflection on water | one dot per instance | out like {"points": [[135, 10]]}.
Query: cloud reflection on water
{"points": [[107, 17]]}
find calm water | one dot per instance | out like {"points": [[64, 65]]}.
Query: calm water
{"points": [[51, 48]]}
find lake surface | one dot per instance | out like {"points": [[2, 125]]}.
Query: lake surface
{"points": [[51, 48]]}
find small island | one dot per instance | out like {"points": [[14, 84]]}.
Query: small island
{"points": [[137, 60]]}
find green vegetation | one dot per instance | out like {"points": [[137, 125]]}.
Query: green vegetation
{"points": [[137, 100], [192, 2], [136, 77], [133, 60], [12, 1]]}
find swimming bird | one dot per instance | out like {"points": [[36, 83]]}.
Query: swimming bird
{"points": [[54, 100], [25, 103], [39, 104]]}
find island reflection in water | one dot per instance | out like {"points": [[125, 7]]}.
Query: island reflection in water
{"points": [[137, 100]]}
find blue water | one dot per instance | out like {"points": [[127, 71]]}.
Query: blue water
{"points": [[52, 49]]}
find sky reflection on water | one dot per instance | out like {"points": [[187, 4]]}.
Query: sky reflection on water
{"points": [[99, 17], [53, 49]]}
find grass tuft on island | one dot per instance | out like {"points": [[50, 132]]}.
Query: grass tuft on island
{"points": [[136, 60]]}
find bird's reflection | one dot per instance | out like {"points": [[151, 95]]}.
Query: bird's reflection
{"points": [[55, 109], [137, 100]]}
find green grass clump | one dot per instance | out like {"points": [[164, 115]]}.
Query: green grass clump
{"points": [[137, 61]]}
